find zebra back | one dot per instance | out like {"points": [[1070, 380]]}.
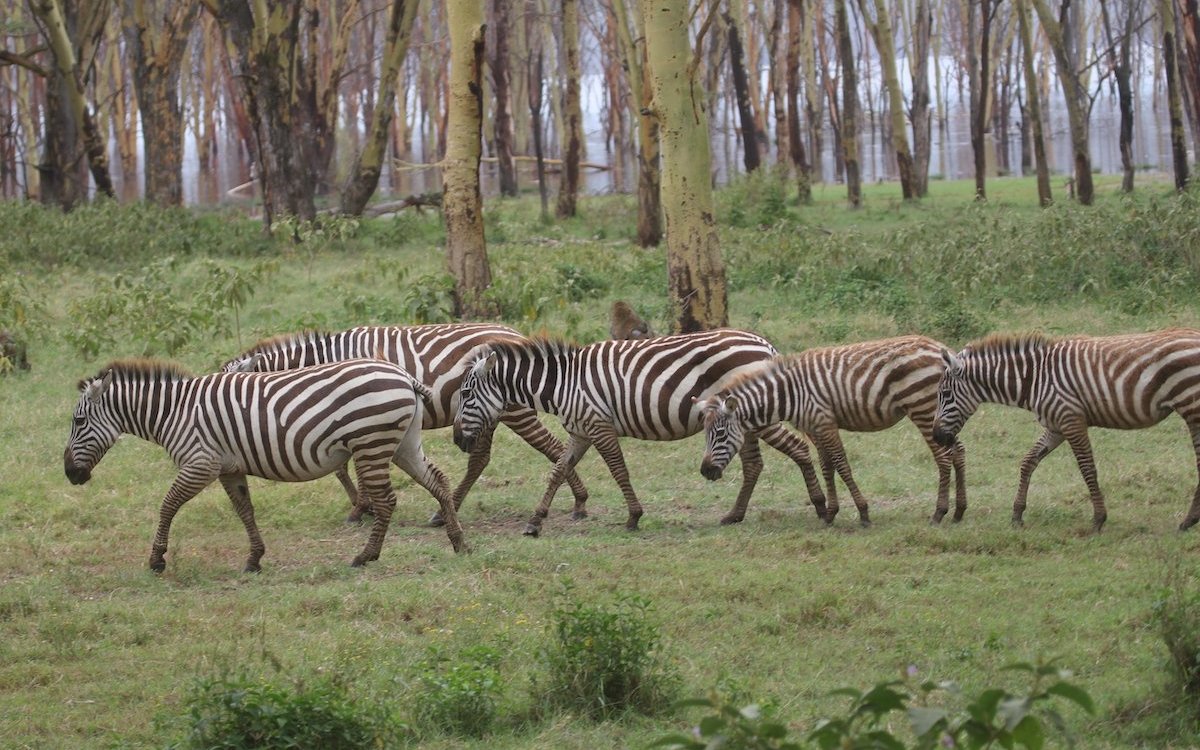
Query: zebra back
{"points": [[432, 354]]}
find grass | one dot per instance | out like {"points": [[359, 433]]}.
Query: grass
{"points": [[97, 651]]}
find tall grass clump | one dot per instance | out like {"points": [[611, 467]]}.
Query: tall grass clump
{"points": [[1177, 615], [459, 696], [236, 711], [604, 659]]}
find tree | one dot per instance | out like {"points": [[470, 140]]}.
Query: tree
{"points": [[364, 175], [796, 37], [649, 226], [1033, 107], [568, 188], [502, 117], [696, 286], [1063, 42], [741, 85], [158, 33], [920, 32], [462, 204], [848, 121], [1120, 43], [881, 32], [1174, 103], [979, 74]]}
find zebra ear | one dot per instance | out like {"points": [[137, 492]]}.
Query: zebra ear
{"points": [[487, 363], [97, 388], [731, 403], [952, 362]]}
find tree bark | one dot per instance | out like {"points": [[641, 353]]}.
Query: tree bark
{"points": [[696, 285], [568, 188], [502, 116], [881, 30], [1075, 93], [848, 132], [1034, 105], [364, 175], [462, 204], [649, 223], [1174, 101], [534, 69], [1189, 67], [157, 56], [795, 132], [919, 112], [741, 86]]}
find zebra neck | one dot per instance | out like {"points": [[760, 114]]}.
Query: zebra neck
{"points": [[147, 409], [762, 404], [1009, 380], [540, 381]]}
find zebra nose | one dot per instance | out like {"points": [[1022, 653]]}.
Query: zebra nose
{"points": [[463, 442], [76, 473], [710, 470], [942, 437]]}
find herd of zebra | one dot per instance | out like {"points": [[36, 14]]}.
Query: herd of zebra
{"points": [[300, 406]]}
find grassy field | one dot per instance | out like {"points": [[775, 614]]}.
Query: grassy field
{"points": [[96, 651]]}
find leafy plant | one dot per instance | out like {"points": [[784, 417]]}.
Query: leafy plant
{"points": [[603, 659], [1177, 614], [227, 286], [459, 696]]}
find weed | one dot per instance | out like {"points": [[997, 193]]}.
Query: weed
{"points": [[1177, 614], [459, 696]]}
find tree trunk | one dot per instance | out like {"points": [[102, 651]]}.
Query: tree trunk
{"points": [[696, 286], [777, 47], [1075, 93], [1034, 106], [568, 188], [979, 72], [462, 204], [848, 132], [364, 175], [795, 133], [1174, 103], [1120, 61], [919, 113], [881, 30], [741, 86], [1189, 35], [502, 117], [534, 71], [649, 223], [157, 56]]}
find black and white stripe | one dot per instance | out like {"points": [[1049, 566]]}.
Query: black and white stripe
{"points": [[433, 354], [1125, 382], [290, 426], [645, 388], [863, 387]]}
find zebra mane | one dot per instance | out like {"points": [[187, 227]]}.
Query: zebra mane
{"points": [[1010, 341], [142, 368], [768, 369], [284, 340], [539, 345]]}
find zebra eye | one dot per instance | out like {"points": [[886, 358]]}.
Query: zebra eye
{"points": [[80, 421]]}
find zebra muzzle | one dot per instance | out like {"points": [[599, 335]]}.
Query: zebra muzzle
{"points": [[76, 473], [944, 438], [463, 442], [710, 470]]}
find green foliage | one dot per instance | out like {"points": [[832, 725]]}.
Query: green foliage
{"points": [[758, 199], [459, 696], [993, 718], [324, 230], [227, 286], [236, 711], [1177, 614], [603, 660]]}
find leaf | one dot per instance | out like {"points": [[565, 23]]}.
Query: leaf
{"points": [[1020, 666], [1073, 693], [751, 712], [677, 741], [1013, 711], [1029, 733], [924, 719]]}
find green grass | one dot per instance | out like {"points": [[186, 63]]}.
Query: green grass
{"points": [[97, 651]]}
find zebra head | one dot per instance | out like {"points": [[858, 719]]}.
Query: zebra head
{"points": [[956, 402], [94, 429], [256, 362], [724, 434], [480, 401]]}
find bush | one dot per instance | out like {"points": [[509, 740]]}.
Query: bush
{"points": [[459, 697], [1177, 614], [603, 660], [242, 711]]}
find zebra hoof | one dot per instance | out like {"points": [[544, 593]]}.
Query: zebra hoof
{"points": [[1018, 523], [436, 521], [731, 519], [252, 568], [959, 513], [936, 518], [532, 530], [864, 523], [578, 515], [158, 566]]}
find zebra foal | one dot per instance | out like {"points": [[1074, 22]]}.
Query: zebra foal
{"points": [[291, 427], [1125, 382], [432, 354], [644, 388], [862, 387]]}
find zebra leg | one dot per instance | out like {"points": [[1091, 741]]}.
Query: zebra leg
{"points": [[187, 485], [1193, 514], [577, 445], [411, 458], [943, 457], [374, 482], [235, 486], [1077, 438], [831, 443], [1045, 444], [959, 461], [793, 446], [359, 504], [525, 423], [605, 438], [827, 474], [752, 465], [477, 460]]}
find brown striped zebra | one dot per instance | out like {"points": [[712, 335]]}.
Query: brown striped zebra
{"points": [[289, 426], [1125, 382], [861, 387], [432, 353], [644, 388]]}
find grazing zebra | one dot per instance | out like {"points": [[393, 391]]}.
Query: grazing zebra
{"points": [[289, 426], [432, 353], [862, 387], [1070, 384], [642, 388]]}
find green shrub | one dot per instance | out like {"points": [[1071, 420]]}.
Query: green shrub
{"points": [[605, 659], [1177, 614], [459, 696], [243, 711]]}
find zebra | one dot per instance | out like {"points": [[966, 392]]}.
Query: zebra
{"points": [[290, 426], [1125, 382], [644, 388], [432, 353], [863, 387]]}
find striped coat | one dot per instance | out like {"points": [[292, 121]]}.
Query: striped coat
{"points": [[291, 427], [861, 387], [433, 354], [645, 388], [1070, 384]]}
